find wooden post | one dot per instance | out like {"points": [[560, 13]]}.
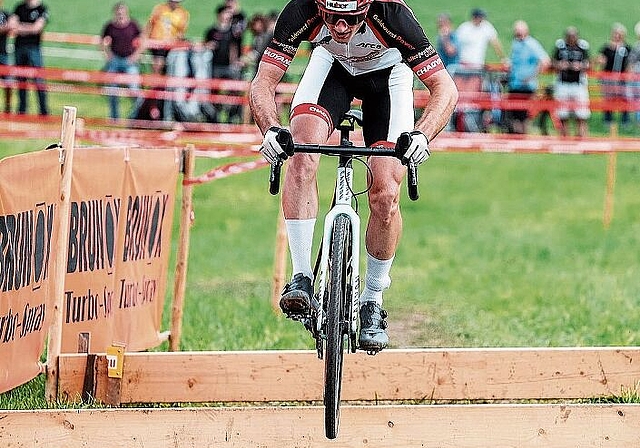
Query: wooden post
{"points": [[280, 262], [611, 181], [182, 256], [60, 263]]}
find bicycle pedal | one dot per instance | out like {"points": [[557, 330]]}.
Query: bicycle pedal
{"points": [[373, 352], [300, 317]]}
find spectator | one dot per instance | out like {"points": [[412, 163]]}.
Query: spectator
{"points": [[528, 58], [634, 68], [447, 43], [28, 21], [226, 63], [571, 62], [613, 59], [167, 24], [238, 25], [261, 36], [5, 29], [259, 27], [121, 42], [272, 18], [474, 36]]}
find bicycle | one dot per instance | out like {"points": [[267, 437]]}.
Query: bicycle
{"points": [[334, 317]]}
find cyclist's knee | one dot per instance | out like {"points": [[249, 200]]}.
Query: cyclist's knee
{"points": [[302, 167], [384, 202]]}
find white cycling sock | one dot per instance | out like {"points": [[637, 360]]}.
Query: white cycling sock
{"points": [[300, 235], [376, 279]]}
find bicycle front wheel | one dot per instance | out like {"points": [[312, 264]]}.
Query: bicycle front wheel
{"points": [[337, 324]]}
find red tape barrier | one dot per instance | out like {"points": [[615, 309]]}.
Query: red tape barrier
{"points": [[200, 90], [243, 141], [474, 143], [509, 143], [225, 171], [162, 87]]}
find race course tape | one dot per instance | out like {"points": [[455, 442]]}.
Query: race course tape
{"points": [[225, 171]]}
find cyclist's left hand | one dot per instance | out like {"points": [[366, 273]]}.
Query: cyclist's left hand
{"points": [[417, 149], [277, 145]]}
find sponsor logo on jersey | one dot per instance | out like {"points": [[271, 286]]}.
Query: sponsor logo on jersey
{"points": [[350, 60], [303, 29], [429, 67], [373, 45], [279, 59], [424, 54], [333, 5]]}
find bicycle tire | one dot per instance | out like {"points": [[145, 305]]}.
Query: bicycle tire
{"points": [[336, 323]]}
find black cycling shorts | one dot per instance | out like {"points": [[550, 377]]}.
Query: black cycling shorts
{"points": [[327, 89]]}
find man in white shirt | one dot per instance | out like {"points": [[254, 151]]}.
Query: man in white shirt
{"points": [[474, 36]]}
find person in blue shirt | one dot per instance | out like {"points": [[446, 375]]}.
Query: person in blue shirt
{"points": [[447, 43], [528, 59]]}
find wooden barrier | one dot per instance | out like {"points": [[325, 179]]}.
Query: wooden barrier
{"points": [[374, 388], [417, 375], [470, 426]]}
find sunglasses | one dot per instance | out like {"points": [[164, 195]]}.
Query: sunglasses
{"points": [[351, 20]]}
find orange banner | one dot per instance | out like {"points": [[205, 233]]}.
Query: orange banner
{"points": [[29, 194], [122, 203]]}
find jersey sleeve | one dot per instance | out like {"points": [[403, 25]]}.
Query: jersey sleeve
{"points": [[296, 23], [396, 25]]}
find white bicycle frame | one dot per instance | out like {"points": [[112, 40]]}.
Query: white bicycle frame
{"points": [[343, 206]]}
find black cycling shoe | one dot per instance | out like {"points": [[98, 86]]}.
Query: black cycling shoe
{"points": [[373, 336], [296, 296]]}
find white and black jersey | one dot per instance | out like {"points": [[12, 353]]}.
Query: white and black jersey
{"points": [[376, 66], [389, 35]]}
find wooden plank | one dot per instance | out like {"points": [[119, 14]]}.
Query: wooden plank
{"points": [[182, 254], [54, 342], [469, 426], [425, 374]]}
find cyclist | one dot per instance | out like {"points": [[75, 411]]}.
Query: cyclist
{"points": [[364, 49]]}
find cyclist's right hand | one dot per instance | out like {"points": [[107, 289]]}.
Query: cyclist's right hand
{"points": [[277, 145]]}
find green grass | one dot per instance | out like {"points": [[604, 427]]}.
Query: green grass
{"points": [[501, 249]]}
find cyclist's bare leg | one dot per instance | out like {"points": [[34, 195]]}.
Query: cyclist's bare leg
{"points": [[299, 192], [300, 208], [385, 222], [383, 234]]}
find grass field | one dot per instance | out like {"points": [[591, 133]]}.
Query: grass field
{"points": [[501, 249]]}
